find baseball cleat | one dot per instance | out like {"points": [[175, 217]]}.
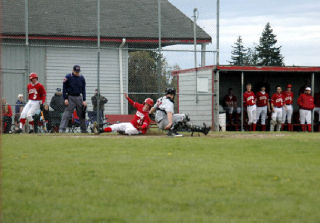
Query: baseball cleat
{"points": [[206, 129], [174, 134], [31, 131]]}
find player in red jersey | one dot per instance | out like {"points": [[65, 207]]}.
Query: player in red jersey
{"points": [[138, 125], [277, 104], [306, 105], [37, 97], [317, 107], [263, 106], [287, 113], [249, 100]]}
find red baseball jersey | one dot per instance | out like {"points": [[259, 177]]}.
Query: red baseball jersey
{"points": [[277, 100], [249, 98], [317, 99], [288, 97], [36, 92], [262, 99], [230, 100], [141, 120], [305, 101]]}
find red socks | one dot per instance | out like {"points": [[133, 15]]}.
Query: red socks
{"points": [[303, 127], [309, 127], [254, 126], [108, 129], [263, 127], [23, 121], [290, 127]]}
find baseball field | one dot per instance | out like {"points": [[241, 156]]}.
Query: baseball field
{"points": [[223, 177]]}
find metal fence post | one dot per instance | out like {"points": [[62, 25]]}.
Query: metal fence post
{"points": [[195, 11], [159, 46], [98, 61], [27, 49], [216, 81]]}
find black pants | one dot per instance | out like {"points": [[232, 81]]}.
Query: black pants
{"points": [[6, 124]]}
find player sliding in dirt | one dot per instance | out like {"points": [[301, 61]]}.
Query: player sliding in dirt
{"points": [[138, 125], [167, 120]]}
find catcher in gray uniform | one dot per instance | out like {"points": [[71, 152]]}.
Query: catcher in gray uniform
{"points": [[167, 120]]}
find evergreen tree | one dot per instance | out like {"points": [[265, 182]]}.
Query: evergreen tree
{"points": [[251, 57], [238, 53], [268, 54]]}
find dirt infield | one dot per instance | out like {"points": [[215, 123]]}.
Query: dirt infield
{"points": [[246, 135]]}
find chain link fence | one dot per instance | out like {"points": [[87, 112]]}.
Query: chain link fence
{"points": [[132, 47]]}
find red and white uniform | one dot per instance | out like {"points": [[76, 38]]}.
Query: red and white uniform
{"points": [[262, 106], [139, 124], [288, 111], [249, 100], [317, 104], [278, 102], [306, 104], [231, 102], [37, 96]]}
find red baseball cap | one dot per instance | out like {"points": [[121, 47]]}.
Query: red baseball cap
{"points": [[289, 86]]}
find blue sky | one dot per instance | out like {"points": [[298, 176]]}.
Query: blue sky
{"points": [[295, 22]]}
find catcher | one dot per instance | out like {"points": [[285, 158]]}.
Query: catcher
{"points": [[167, 120]]}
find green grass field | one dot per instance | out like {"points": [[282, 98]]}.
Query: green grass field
{"points": [[224, 177]]}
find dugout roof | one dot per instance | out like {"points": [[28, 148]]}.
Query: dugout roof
{"points": [[230, 68], [135, 20]]}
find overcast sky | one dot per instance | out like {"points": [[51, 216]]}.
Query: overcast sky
{"points": [[295, 22]]}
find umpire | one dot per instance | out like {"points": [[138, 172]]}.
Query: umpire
{"points": [[74, 94]]}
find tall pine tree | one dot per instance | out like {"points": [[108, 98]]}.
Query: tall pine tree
{"points": [[268, 54], [238, 53], [251, 57]]}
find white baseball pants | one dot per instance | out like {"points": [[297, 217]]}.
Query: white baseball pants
{"points": [[287, 114], [126, 127], [252, 114], [30, 109], [262, 111], [305, 116], [317, 110], [277, 114]]}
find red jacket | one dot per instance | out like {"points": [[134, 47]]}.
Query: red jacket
{"points": [[305, 101], [9, 111]]}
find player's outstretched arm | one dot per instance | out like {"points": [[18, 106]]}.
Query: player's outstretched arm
{"points": [[129, 100]]}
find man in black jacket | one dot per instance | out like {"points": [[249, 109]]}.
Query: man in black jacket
{"points": [[103, 101], [57, 101]]}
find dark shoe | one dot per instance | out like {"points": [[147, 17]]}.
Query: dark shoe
{"points": [[174, 134], [31, 131], [206, 129], [17, 131]]}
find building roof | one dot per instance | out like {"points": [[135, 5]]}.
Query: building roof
{"points": [[229, 68], [135, 20]]}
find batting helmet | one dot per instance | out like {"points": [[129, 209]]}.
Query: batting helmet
{"points": [[289, 86], [171, 91], [33, 75], [149, 102]]}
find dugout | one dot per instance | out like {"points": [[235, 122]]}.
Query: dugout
{"points": [[195, 91]]}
